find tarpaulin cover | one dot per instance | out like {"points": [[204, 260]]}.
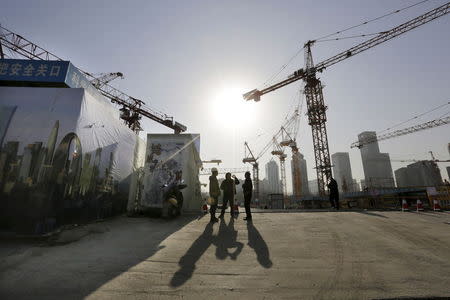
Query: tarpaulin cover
{"points": [[65, 155]]}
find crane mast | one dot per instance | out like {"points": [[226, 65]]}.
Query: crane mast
{"points": [[317, 120], [313, 86], [288, 141], [278, 151]]}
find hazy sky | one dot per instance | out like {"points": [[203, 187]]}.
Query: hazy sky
{"points": [[193, 59]]}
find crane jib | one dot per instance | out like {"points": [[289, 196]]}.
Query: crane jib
{"points": [[379, 39]]}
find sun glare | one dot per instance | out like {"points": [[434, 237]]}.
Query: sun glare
{"points": [[231, 109]]}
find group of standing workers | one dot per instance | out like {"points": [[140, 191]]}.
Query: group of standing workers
{"points": [[228, 186]]}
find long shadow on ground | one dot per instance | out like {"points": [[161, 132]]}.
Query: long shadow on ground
{"points": [[76, 270], [227, 239], [365, 212], [256, 241], [189, 259], [226, 246]]}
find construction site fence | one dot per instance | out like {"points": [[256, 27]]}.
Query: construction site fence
{"points": [[375, 200]]}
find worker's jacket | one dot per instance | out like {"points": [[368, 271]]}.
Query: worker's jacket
{"points": [[229, 187], [333, 187], [247, 187], [214, 190]]}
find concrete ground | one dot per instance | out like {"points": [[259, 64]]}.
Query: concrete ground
{"points": [[301, 255]]}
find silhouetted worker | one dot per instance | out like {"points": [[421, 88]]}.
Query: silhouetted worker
{"points": [[214, 192], [247, 187], [229, 190], [334, 193]]}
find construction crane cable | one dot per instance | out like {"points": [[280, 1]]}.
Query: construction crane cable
{"points": [[350, 37], [371, 20], [283, 67], [416, 117]]}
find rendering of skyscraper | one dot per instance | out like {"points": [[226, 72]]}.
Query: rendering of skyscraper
{"points": [[342, 171], [377, 166], [51, 143], [25, 165], [303, 182], [6, 114], [273, 177]]}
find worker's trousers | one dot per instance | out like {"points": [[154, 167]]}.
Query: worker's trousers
{"points": [[334, 200], [247, 200], [225, 201], [213, 207]]}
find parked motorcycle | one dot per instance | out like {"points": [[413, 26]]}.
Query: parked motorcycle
{"points": [[173, 199]]}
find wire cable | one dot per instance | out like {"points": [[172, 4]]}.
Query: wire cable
{"points": [[268, 81], [416, 117], [283, 67], [371, 20], [351, 37]]}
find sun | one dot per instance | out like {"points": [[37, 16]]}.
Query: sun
{"points": [[230, 108]]}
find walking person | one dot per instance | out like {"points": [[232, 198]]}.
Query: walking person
{"points": [[247, 187], [214, 193], [334, 193], [228, 187]]}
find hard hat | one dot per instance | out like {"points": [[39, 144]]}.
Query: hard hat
{"points": [[214, 170]]}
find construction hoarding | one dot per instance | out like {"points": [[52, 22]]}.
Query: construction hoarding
{"points": [[65, 157]]}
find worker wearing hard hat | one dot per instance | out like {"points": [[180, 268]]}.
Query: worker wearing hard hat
{"points": [[214, 193]]}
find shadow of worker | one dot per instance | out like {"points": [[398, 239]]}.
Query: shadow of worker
{"points": [[256, 241], [189, 259], [227, 239]]}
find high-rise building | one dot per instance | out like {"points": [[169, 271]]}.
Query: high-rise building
{"points": [[273, 177], [421, 173], [303, 180], [342, 171], [313, 187], [377, 166]]}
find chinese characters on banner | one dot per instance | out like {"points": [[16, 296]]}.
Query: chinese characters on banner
{"points": [[27, 69]]}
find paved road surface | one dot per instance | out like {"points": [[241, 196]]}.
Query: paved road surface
{"points": [[305, 255]]}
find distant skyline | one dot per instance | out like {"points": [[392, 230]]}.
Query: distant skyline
{"points": [[194, 59]]}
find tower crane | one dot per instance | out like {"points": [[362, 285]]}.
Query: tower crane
{"points": [[207, 171], [250, 158], [104, 78], [132, 109], [279, 151], [212, 161], [288, 141], [313, 86], [404, 131]]}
